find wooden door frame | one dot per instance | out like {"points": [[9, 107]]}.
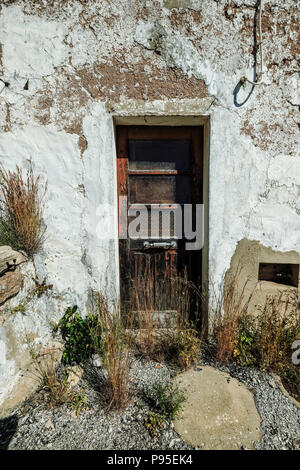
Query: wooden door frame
{"points": [[181, 121]]}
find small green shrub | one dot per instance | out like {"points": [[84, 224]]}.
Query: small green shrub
{"points": [[22, 307], [41, 287], [153, 423], [243, 352], [77, 401], [165, 399], [183, 347], [58, 391], [82, 336]]}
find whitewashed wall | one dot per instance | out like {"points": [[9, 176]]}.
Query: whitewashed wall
{"points": [[83, 64]]}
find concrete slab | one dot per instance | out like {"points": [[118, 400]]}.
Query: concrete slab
{"points": [[219, 412]]}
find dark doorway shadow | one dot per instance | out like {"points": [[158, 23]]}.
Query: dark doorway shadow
{"points": [[8, 427], [238, 103]]}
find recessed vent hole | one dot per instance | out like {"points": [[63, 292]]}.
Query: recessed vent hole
{"points": [[281, 273]]}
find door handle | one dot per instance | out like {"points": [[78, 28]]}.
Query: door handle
{"points": [[164, 245]]}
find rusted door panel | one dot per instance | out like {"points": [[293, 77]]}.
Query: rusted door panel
{"points": [[157, 165]]}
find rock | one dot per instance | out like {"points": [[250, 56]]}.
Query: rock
{"points": [[295, 445], [10, 284], [173, 442], [97, 360], [10, 278], [49, 424], [9, 258], [218, 414], [272, 383], [75, 374]]}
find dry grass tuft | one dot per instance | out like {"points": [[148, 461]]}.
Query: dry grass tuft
{"points": [[276, 327], [21, 208], [115, 353], [230, 307], [55, 385], [263, 339], [173, 338]]}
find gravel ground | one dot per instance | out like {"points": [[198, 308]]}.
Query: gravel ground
{"points": [[33, 427]]}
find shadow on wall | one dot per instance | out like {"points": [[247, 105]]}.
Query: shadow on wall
{"points": [[236, 92], [8, 427]]}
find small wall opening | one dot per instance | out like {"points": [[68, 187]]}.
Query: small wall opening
{"points": [[280, 273]]}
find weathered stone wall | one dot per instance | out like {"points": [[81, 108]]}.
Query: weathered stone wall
{"points": [[70, 66]]}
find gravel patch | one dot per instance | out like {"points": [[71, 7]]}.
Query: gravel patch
{"points": [[32, 426]]}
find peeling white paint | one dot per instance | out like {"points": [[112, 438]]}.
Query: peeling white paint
{"points": [[32, 47], [101, 193]]}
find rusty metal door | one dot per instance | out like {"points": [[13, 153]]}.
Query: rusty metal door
{"points": [[159, 171]]}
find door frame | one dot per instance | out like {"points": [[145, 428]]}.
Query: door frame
{"points": [[182, 121]]}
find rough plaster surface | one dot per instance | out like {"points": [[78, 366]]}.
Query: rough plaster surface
{"points": [[24, 331], [70, 66], [219, 412], [243, 273]]}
